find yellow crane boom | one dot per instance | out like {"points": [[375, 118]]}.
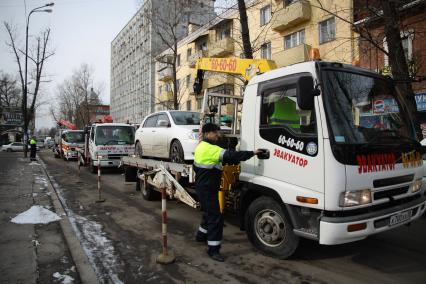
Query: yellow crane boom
{"points": [[247, 68]]}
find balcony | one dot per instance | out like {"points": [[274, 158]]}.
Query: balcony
{"points": [[291, 16], [165, 74], [293, 55], [217, 80], [166, 96], [221, 48], [194, 57]]}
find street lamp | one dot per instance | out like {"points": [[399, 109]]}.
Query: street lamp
{"points": [[25, 94]]}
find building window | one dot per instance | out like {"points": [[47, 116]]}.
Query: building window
{"points": [[178, 84], [294, 39], [160, 89], [265, 51], [188, 53], [188, 105], [199, 103], [224, 32], [407, 46], [178, 60], [327, 30], [188, 80], [265, 15]]}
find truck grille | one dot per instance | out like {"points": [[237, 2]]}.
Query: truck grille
{"points": [[116, 156], [390, 193], [392, 181]]}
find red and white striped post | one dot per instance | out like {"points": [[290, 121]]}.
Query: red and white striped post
{"points": [[78, 162], [100, 199], [165, 257]]}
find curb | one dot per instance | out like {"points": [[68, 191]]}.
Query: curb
{"points": [[84, 268]]}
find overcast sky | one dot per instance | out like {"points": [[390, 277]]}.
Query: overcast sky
{"points": [[81, 32]]}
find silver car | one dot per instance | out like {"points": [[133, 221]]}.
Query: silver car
{"points": [[13, 147]]}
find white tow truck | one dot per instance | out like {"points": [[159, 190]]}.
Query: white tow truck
{"points": [[343, 162], [105, 144]]}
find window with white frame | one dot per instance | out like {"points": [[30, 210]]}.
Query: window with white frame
{"points": [[265, 50], [188, 53], [188, 80], [188, 105], [327, 30], [294, 39], [265, 15], [178, 60], [224, 32], [407, 46]]}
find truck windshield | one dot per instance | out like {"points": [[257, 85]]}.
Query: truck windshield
{"points": [[364, 109], [74, 137], [185, 117], [115, 135]]}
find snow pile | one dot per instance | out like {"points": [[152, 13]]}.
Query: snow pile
{"points": [[66, 279], [36, 215], [34, 164]]}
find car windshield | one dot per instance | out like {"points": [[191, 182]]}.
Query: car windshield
{"points": [[75, 137], [115, 135], [185, 117], [364, 109]]}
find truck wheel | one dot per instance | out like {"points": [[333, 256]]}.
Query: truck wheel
{"points": [[176, 152], [138, 150], [268, 228], [148, 192], [92, 167]]}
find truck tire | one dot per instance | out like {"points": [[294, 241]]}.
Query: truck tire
{"points": [[269, 229], [148, 193], [176, 152], [92, 167]]}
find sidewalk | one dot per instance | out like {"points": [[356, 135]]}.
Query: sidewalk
{"points": [[30, 253]]}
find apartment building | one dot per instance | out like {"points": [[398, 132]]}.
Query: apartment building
{"points": [[133, 51], [281, 30]]}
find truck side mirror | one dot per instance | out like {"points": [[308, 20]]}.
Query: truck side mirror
{"points": [[306, 92]]}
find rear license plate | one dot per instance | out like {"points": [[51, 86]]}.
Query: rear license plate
{"points": [[400, 217]]}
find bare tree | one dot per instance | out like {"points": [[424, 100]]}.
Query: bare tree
{"points": [[75, 95], [37, 55], [245, 34], [171, 25], [10, 94], [390, 14]]}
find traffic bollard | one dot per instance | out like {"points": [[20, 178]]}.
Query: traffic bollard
{"points": [[166, 257], [100, 199], [78, 162]]}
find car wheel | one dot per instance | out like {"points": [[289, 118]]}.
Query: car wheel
{"points": [[9, 150], [148, 192], [269, 229], [138, 150], [176, 152]]}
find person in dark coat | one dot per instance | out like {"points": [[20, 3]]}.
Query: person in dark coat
{"points": [[208, 159]]}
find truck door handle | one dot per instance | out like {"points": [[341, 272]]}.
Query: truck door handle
{"points": [[264, 155], [153, 130]]}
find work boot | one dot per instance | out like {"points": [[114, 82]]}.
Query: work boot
{"points": [[200, 239], [216, 256]]}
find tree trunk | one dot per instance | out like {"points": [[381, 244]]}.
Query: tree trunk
{"points": [[245, 35], [175, 86], [397, 59]]}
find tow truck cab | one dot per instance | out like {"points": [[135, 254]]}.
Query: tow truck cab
{"points": [[344, 165], [109, 142]]}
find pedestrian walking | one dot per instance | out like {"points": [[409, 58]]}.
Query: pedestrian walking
{"points": [[33, 148], [208, 159]]}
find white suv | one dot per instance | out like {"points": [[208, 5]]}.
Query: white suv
{"points": [[170, 135]]}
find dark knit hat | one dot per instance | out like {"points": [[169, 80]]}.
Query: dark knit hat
{"points": [[210, 127]]}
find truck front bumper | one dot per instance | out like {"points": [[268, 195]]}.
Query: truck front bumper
{"points": [[70, 154], [334, 230], [108, 163]]}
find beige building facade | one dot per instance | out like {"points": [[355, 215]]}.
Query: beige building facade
{"points": [[280, 30]]}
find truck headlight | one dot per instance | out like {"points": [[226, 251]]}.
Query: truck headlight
{"points": [[354, 198], [417, 185]]}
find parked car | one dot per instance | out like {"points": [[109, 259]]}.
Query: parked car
{"points": [[169, 135], [13, 147], [40, 143]]}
